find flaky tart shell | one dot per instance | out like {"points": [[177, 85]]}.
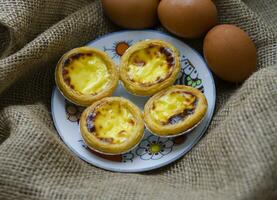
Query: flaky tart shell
{"points": [[113, 125], [139, 57], [192, 108], [77, 61]]}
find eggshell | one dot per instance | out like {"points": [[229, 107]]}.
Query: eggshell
{"points": [[230, 53], [187, 18], [133, 14]]}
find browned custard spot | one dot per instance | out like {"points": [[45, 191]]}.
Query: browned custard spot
{"points": [[173, 107], [113, 123], [150, 65]]}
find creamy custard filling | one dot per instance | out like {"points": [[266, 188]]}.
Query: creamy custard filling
{"points": [[86, 73], [150, 65], [112, 122], [173, 107]]}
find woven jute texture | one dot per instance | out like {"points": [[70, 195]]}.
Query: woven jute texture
{"points": [[236, 159]]}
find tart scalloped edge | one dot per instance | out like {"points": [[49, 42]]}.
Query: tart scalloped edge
{"points": [[152, 89], [188, 123], [98, 145], [77, 97]]}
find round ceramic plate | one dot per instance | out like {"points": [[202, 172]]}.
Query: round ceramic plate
{"points": [[153, 152]]}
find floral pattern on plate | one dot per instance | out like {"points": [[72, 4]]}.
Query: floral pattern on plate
{"points": [[73, 112], [189, 75], [154, 148], [118, 48]]}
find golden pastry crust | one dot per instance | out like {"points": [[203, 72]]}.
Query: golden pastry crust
{"points": [[149, 66], [85, 75], [113, 125], [175, 110]]}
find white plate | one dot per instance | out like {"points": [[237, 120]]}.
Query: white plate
{"points": [[194, 73]]}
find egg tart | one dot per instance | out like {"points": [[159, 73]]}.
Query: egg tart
{"points": [[85, 75], [175, 110], [112, 125], [149, 66]]}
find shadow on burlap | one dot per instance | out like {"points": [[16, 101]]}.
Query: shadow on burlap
{"points": [[236, 159]]}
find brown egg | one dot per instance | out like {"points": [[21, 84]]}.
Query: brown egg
{"points": [[188, 18], [230, 53], [134, 14]]}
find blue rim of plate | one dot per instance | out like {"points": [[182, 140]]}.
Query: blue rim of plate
{"points": [[174, 159]]}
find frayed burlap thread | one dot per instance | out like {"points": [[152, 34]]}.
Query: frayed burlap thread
{"points": [[236, 159]]}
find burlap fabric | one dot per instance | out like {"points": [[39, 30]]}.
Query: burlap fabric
{"points": [[237, 158]]}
